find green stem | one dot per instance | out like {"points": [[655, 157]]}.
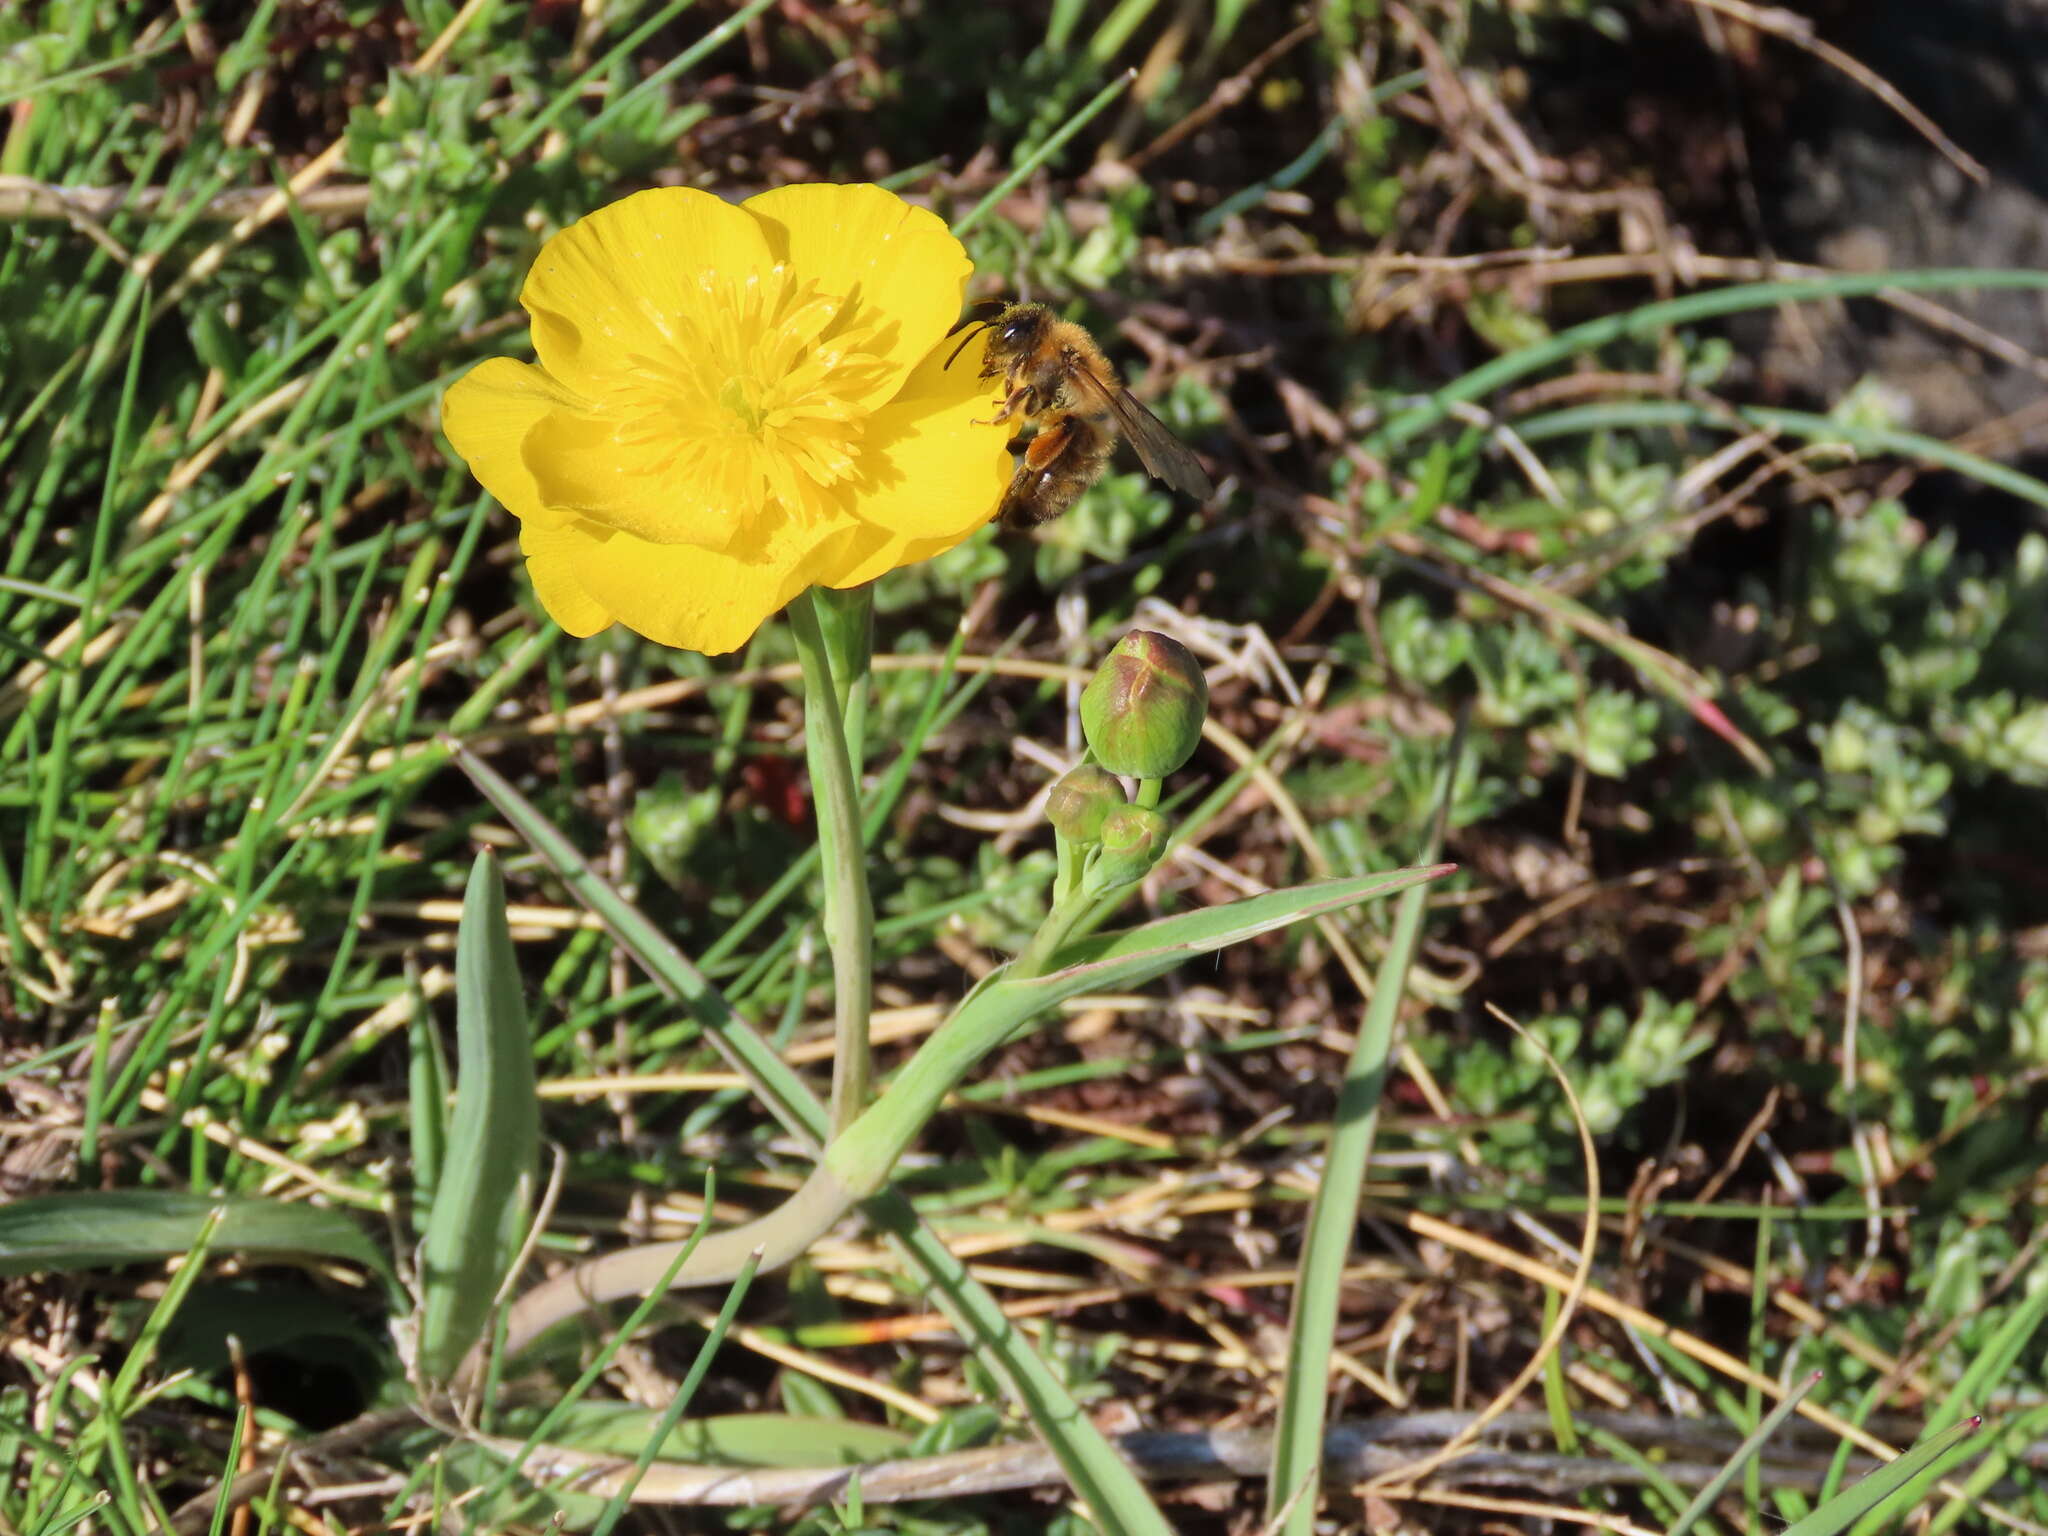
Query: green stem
{"points": [[849, 918], [1067, 910], [847, 621], [1148, 792], [1068, 879]]}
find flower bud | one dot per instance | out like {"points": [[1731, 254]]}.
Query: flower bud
{"points": [[1142, 712], [1133, 838], [1076, 805]]}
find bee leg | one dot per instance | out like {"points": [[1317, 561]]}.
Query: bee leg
{"points": [[1024, 502], [1012, 404], [1052, 440]]}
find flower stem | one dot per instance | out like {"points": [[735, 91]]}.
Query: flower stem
{"points": [[1035, 959], [847, 621], [849, 918], [1068, 878]]}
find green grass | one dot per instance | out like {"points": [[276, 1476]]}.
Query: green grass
{"points": [[1740, 814]]}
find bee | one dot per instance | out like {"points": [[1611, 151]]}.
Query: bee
{"points": [[1053, 370]]}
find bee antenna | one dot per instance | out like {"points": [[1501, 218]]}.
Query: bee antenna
{"points": [[978, 327], [982, 310]]}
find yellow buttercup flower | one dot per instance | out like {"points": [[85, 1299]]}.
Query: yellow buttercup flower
{"points": [[733, 403]]}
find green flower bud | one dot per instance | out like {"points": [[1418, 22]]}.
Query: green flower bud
{"points": [[1142, 712], [1077, 804], [1133, 838]]}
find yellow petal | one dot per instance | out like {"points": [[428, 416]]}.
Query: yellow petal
{"points": [[606, 291], [550, 565], [487, 414], [927, 471], [876, 554], [601, 465], [898, 263], [700, 599]]}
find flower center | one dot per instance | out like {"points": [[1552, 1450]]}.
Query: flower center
{"points": [[760, 390], [738, 397]]}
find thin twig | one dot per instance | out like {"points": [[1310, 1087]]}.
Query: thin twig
{"points": [[1798, 31], [23, 197], [1353, 1452], [1227, 94]]}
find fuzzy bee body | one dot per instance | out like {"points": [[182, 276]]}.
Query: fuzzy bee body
{"points": [[1052, 371]]}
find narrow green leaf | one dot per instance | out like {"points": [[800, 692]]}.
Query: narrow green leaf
{"points": [[780, 1089], [37, 589], [1132, 955], [656, 81], [1649, 319], [743, 1439], [1053, 144], [861, 1156], [1851, 1504], [94, 1229], [485, 1196], [78, 1512], [1116, 30], [142, 1353], [1092, 1466], [223, 1504], [2000, 1448], [1294, 1482], [1556, 1402], [1745, 1454], [510, 1469], [671, 1416], [803, 1394], [626, 1430], [1867, 441], [427, 1098], [2000, 1355]]}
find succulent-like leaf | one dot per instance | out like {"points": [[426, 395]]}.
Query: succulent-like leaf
{"points": [[484, 1198], [95, 1229]]}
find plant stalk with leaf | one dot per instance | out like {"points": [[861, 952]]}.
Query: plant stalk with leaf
{"points": [[858, 1152], [785, 432]]}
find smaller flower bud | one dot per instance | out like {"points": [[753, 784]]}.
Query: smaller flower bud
{"points": [[1133, 838], [1142, 712], [1076, 805]]}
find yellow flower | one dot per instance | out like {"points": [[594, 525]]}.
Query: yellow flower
{"points": [[733, 403]]}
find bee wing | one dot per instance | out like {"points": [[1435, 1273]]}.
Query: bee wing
{"points": [[1164, 456]]}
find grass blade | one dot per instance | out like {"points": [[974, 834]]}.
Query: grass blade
{"points": [[515, 1456], [486, 1190], [121, 1392], [1296, 1474], [1745, 1453], [679, 1404], [784, 1093], [998, 1009], [1867, 441], [1044, 152], [1650, 319], [93, 1229], [1851, 1504], [1091, 1464]]}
